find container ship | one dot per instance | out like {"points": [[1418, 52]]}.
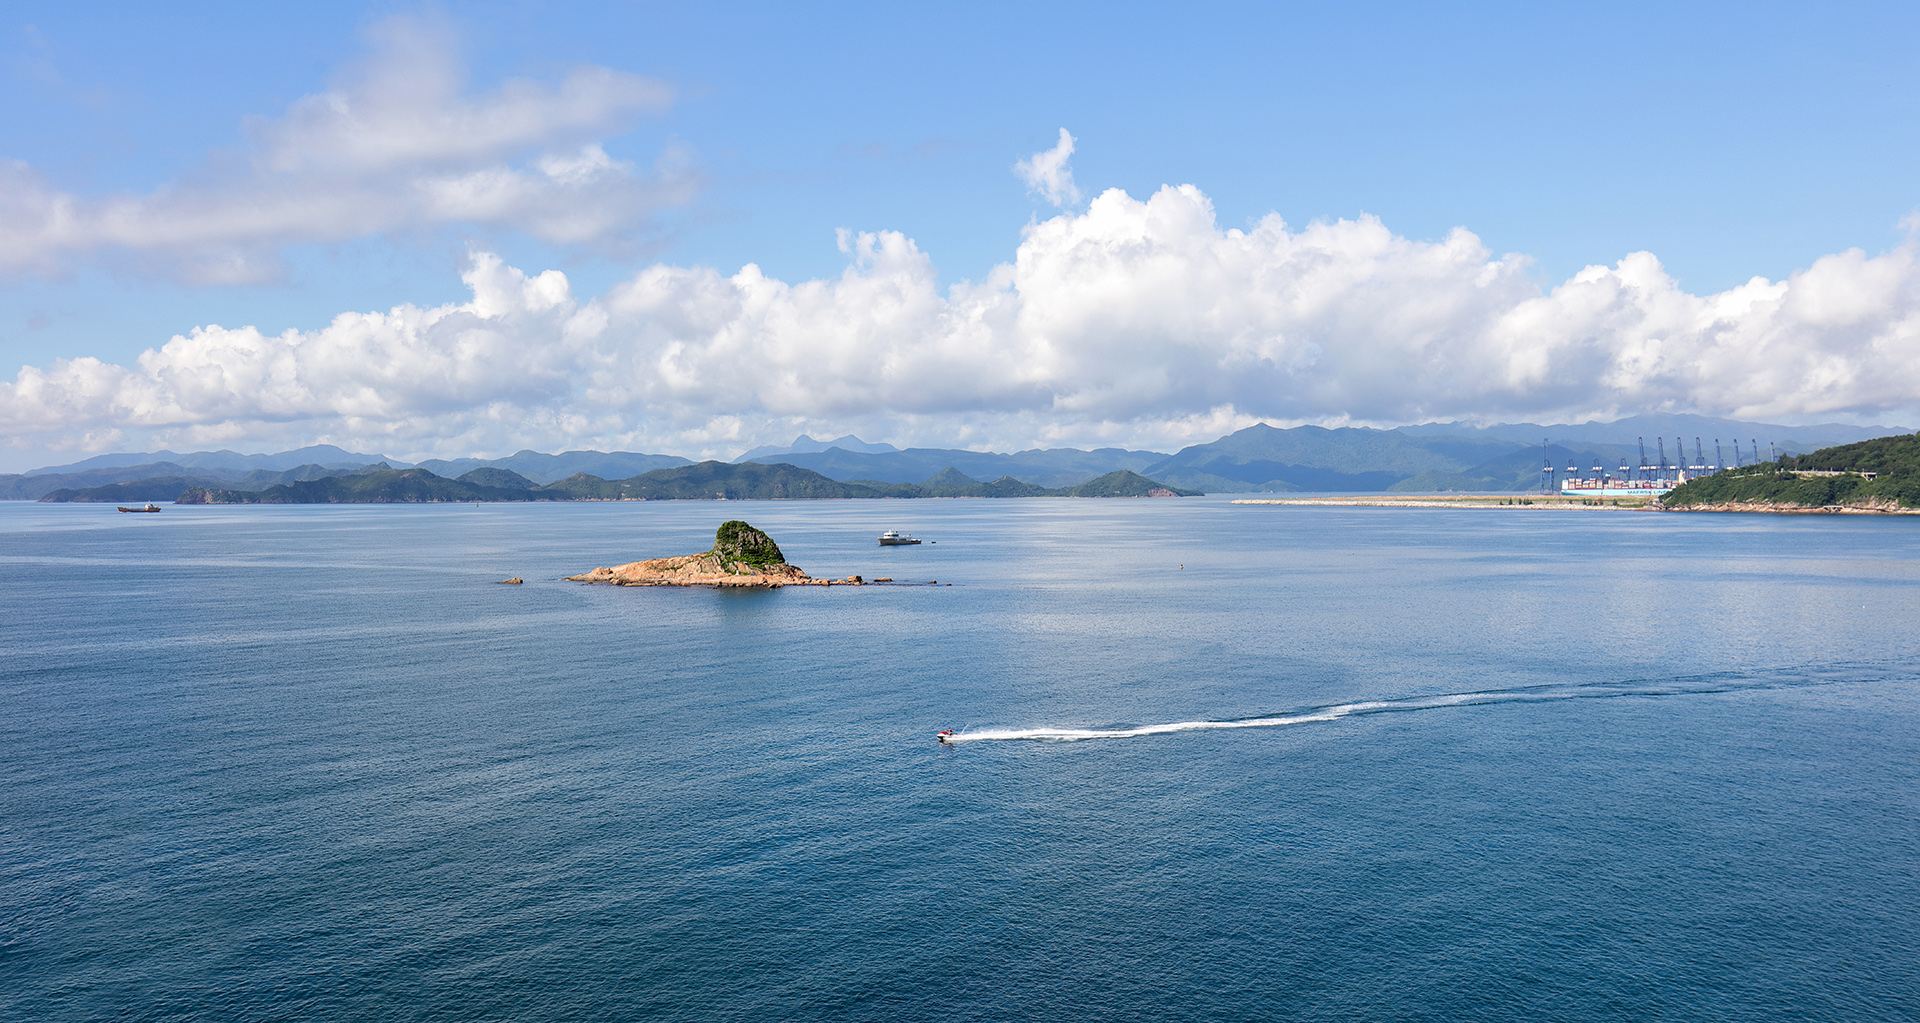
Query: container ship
{"points": [[1608, 486]]}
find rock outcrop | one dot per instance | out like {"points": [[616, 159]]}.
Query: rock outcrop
{"points": [[741, 556], [735, 541]]}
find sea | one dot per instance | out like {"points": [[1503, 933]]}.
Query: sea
{"points": [[1215, 762]]}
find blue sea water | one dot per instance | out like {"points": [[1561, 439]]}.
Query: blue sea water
{"points": [[311, 763]]}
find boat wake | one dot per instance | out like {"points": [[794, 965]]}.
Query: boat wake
{"points": [[1696, 685]]}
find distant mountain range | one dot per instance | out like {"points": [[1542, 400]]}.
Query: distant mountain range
{"points": [[702, 481], [1430, 457], [1056, 467], [1435, 457], [542, 468], [1626, 432], [804, 444], [223, 461], [153, 482]]}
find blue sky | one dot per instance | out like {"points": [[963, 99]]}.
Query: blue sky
{"points": [[1728, 141]]}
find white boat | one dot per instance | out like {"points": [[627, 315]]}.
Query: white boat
{"points": [[890, 538]]}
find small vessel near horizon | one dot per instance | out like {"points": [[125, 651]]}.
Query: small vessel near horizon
{"points": [[892, 538], [151, 507]]}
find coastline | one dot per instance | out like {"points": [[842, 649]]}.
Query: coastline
{"points": [[1725, 507], [1500, 502], [1536, 502]]}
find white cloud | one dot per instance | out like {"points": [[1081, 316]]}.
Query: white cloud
{"points": [[1136, 322], [396, 144], [1047, 174]]}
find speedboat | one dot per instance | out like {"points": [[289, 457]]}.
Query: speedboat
{"points": [[890, 538], [945, 736]]}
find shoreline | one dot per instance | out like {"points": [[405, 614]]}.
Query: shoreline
{"points": [[1730, 507], [1502, 502], [1536, 502]]}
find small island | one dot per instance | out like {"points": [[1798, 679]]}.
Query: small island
{"points": [[741, 556]]}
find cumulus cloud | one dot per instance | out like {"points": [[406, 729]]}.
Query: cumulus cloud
{"points": [[1138, 322], [1047, 174], [395, 144]]}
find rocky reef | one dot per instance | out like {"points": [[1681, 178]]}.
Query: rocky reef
{"points": [[741, 556]]}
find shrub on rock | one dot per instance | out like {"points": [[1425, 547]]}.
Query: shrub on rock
{"points": [[737, 541]]}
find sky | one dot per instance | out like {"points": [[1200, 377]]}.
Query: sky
{"points": [[467, 229]]}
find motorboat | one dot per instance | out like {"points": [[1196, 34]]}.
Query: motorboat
{"points": [[890, 538], [945, 736], [151, 507]]}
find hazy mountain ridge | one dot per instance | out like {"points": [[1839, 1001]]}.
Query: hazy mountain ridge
{"points": [[544, 468], [1462, 457], [700, 481], [1432, 456], [1049, 467], [1265, 458], [150, 487], [226, 461], [383, 486], [1627, 431], [804, 444]]}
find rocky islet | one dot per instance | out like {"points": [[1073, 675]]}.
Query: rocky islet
{"points": [[741, 556]]}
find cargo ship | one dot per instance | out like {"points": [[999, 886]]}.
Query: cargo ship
{"points": [[1609, 487]]}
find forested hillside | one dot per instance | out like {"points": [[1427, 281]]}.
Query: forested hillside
{"points": [[1829, 477]]}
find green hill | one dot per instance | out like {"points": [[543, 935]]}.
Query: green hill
{"points": [[948, 477], [943, 485], [1126, 483], [745, 481], [162, 488], [1828, 477], [492, 476], [384, 486]]}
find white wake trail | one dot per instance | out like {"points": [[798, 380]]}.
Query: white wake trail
{"points": [[1077, 734], [1529, 694]]}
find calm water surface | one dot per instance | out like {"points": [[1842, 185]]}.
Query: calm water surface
{"points": [[310, 763]]}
